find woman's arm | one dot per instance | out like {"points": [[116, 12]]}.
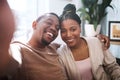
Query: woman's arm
{"points": [[111, 66]]}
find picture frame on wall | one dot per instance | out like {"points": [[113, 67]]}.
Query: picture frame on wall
{"points": [[114, 31]]}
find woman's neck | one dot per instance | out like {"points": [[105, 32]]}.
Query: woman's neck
{"points": [[78, 45], [81, 51]]}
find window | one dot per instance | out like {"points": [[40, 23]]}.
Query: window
{"points": [[26, 11]]}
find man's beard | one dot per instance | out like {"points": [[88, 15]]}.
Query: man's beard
{"points": [[44, 42]]}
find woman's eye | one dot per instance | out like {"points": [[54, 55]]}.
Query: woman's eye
{"points": [[73, 29]]}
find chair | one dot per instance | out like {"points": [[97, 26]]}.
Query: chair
{"points": [[118, 60]]}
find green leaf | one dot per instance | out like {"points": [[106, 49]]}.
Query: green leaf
{"points": [[93, 12]]}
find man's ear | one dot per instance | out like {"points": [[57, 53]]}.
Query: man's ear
{"points": [[34, 24]]}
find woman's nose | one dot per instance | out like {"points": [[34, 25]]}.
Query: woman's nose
{"points": [[68, 34]]}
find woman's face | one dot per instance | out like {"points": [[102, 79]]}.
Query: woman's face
{"points": [[70, 32]]}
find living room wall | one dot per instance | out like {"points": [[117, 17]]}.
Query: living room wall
{"points": [[113, 15]]}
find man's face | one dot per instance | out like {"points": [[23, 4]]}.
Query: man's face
{"points": [[47, 29]]}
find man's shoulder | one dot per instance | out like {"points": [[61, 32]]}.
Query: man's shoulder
{"points": [[54, 45]]}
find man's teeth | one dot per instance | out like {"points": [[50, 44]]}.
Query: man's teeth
{"points": [[50, 34]]}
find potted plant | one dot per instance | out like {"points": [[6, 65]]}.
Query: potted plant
{"points": [[94, 10]]}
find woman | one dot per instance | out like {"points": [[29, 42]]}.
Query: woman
{"points": [[84, 57]]}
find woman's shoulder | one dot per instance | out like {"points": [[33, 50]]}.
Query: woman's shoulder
{"points": [[92, 40]]}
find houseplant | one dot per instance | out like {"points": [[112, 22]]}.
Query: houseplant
{"points": [[94, 10]]}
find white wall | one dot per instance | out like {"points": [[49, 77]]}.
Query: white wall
{"points": [[25, 12], [58, 5], [113, 15]]}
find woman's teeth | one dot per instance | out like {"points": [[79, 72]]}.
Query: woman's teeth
{"points": [[70, 40]]}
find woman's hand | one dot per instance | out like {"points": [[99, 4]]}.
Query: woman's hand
{"points": [[105, 40]]}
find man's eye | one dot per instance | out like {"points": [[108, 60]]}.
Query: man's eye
{"points": [[49, 23]]}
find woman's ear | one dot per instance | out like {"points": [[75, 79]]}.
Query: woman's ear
{"points": [[34, 24]]}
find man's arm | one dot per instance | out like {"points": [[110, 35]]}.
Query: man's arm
{"points": [[7, 27], [105, 40]]}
